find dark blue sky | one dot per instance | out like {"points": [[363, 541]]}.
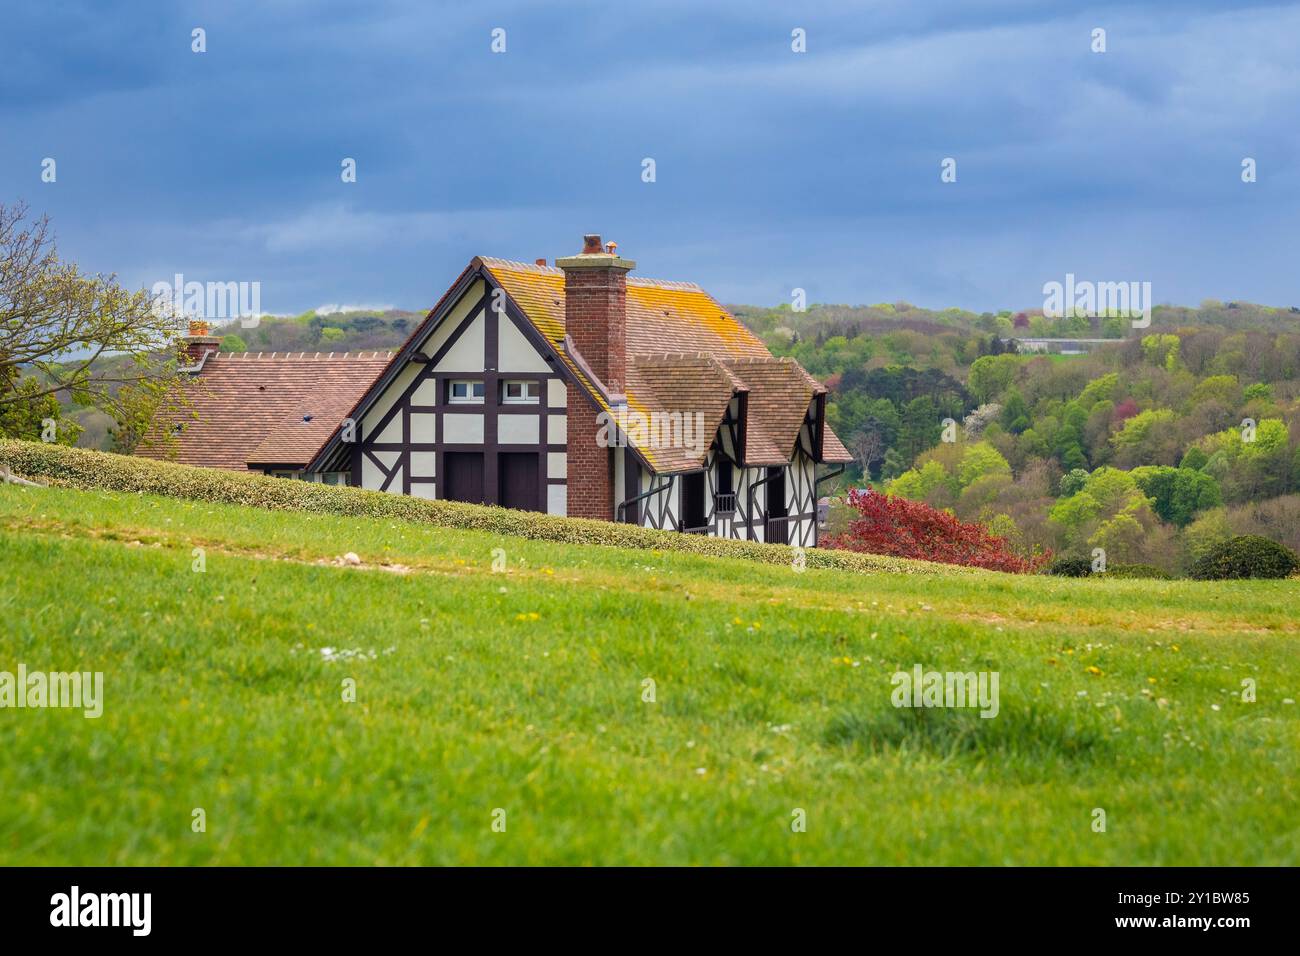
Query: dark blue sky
{"points": [[775, 169]]}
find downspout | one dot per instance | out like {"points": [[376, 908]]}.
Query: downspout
{"points": [[749, 518], [621, 510], [826, 477]]}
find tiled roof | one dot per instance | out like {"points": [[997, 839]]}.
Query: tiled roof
{"points": [[683, 386], [264, 408], [717, 356], [833, 449], [779, 394], [661, 316]]}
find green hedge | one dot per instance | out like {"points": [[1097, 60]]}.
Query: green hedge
{"points": [[80, 468], [1070, 568], [1082, 568], [1246, 556]]}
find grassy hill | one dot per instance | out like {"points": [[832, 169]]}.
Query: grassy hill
{"points": [[523, 689]]}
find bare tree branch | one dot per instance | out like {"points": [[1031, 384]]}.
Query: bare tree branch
{"points": [[72, 333]]}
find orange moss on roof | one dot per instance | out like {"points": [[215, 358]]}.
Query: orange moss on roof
{"points": [[660, 313], [538, 290]]}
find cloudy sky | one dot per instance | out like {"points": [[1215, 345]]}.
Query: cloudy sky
{"points": [[774, 169]]}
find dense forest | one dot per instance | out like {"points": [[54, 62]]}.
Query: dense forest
{"points": [[1153, 448]]}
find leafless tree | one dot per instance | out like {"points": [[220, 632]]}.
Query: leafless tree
{"points": [[867, 446]]}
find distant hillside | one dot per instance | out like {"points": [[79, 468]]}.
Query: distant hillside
{"points": [[310, 331], [828, 320], [779, 326]]}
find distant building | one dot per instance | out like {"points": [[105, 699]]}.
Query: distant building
{"points": [[1061, 346]]}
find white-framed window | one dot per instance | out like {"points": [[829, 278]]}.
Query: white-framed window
{"points": [[520, 393], [465, 392]]}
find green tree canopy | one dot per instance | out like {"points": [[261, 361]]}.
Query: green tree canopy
{"points": [[1178, 493]]}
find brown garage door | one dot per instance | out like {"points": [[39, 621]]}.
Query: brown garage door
{"points": [[462, 478], [519, 480]]}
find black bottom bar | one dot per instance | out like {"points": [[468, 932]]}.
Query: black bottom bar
{"points": [[1222, 906]]}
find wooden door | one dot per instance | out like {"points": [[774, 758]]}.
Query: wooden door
{"points": [[692, 506], [518, 480], [462, 478]]}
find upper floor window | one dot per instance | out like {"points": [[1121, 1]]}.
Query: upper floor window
{"points": [[521, 393], [465, 392]]}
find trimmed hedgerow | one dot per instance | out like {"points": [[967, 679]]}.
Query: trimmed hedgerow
{"points": [[81, 468], [1246, 556]]}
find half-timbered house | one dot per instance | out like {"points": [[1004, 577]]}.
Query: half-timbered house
{"points": [[573, 389]]}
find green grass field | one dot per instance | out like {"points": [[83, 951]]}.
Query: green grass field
{"points": [[523, 690]]}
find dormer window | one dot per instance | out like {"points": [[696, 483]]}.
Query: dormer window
{"points": [[520, 393], [465, 392]]}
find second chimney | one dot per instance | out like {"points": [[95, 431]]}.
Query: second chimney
{"points": [[198, 343], [595, 311]]}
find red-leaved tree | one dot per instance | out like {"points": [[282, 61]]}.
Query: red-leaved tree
{"points": [[1124, 410], [888, 524]]}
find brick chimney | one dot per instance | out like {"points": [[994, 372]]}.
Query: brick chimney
{"points": [[595, 311], [595, 326], [198, 343]]}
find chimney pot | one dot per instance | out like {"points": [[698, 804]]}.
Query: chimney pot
{"points": [[591, 245], [539, 262], [611, 248], [199, 341]]}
